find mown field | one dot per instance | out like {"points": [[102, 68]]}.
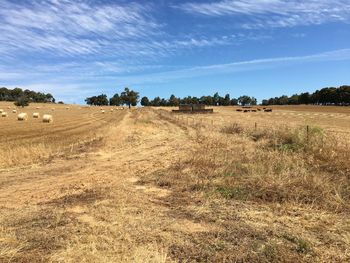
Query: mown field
{"points": [[25, 142], [146, 185]]}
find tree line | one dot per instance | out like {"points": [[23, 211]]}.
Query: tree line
{"points": [[326, 96], [215, 100], [25, 96], [127, 97]]}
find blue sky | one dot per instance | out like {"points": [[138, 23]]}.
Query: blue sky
{"points": [[265, 48]]}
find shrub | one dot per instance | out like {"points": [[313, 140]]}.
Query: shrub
{"points": [[22, 101], [234, 128]]}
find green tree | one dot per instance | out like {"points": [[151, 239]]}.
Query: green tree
{"points": [[129, 97], [156, 102], [244, 100], [115, 100], [293, 100], [234, 102], [22, 101], [100, 100], [265, 102], [253, 101], [173, 101], [304, 98], [145, 102], [216, 99], [225, 101], [207, 100], [283, 100]]}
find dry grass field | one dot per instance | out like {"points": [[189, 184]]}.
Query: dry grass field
{"points": [[146, 185], [25, 142]]}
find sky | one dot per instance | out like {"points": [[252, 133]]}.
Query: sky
{"points": [[262, 48]]}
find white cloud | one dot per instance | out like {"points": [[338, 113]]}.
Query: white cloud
{"points": [[274, 13], [86, 79], [71, 27]]}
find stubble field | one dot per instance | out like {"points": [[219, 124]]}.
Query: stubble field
{"points": [[146, 185]]}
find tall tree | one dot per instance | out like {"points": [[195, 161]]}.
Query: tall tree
{"points": [[129, 97], [226, 100], [216, 99]]}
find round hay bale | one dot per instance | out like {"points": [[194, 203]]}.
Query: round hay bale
{"points": [[47, 118], [4, 114], [36, 115], [22, 116]]}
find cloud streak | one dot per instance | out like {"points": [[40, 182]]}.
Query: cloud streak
{"points": [[107, 72], [71, 27], [274, 13], [89, 29]]}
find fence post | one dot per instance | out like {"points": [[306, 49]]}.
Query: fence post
{"points": [[255, 126], [307, 133]]}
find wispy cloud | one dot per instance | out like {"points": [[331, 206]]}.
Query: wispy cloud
{"points": [[248, 65], [89, 29], [86, 83], [274, 13], [71, 27]]}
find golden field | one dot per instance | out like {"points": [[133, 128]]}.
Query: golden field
{"points": [[23, 142], [146, 185]]}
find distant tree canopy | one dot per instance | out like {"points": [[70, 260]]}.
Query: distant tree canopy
{"points": [[22, 101], [325, 96], [100, 100], [144, 101], [22, 96], [246, 100], [115, 100], [215, 100], [127, 97]]}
